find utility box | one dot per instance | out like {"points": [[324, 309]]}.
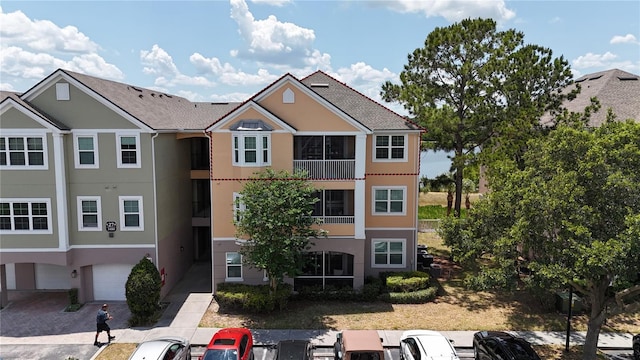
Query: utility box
{"points": [[423, 259], [562, 302]]}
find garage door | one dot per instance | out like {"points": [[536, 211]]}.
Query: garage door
{"points": [[109, 281], [52, 277]]}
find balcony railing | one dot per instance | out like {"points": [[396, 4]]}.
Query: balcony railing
{"points": [[336, 219], [327, 169]]}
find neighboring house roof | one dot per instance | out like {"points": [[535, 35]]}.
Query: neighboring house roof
{"points": [[615, 89], [156, 109], [14, 98], [362, 108]]}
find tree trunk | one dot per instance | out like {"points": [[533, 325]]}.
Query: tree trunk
{"points": [[597, 317]]}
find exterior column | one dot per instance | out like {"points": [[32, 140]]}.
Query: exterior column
{"points": [[359, 191], [61, 191], [4, 295]]}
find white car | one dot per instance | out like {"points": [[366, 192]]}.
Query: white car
{"points": [[426, 345], [166, 348]]}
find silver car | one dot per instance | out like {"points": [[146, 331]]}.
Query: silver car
{"points": [[166, 348]]}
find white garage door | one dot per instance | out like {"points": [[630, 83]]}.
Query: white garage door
{"points": [[52, 277], [109, 281]]}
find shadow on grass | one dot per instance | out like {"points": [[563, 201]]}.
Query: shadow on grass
{"points": [[307, 314]]}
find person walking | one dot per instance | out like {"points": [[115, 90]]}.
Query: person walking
{"points": [[101, 323]]}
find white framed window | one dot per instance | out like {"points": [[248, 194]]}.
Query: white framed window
{"points": [[131, 213], [388, 253], [389, 200], [128, 147], [252, 149], [390, 148], [25, 216], [86, 151], [234, 266], [62, 91], [89, 213], [238, 206], [23, 152]]}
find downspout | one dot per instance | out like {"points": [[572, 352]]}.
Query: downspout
{"points": [[213, 278], [155, 197]]}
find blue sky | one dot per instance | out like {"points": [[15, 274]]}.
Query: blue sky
{"points": [[229, 50]]}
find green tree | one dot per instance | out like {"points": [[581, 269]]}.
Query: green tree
{"points": [[274, 215], [572, 211], [475, 88], [142, 291]]}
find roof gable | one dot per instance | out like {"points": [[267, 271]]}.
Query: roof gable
{"points": [[231, 116], [9, 100], [290, 80], [358, 106]]}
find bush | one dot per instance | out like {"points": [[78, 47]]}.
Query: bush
{"points": [[143, 292], [407, 281], [252, 298], [414, 297], [74, 305]]}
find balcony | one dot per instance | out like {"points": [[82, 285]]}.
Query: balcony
{"points": [[327, 169], [336, 219]]}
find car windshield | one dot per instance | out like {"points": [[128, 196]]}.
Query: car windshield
{"points": [[520, 351], [365, 356], [223, 354]]}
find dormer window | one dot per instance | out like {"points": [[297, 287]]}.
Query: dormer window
{"points": [[251, 143]]}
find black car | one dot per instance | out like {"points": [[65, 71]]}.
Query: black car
{"points": [[499, 345], [636, 347], [294, 350]]}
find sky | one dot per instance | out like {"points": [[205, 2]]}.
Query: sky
{"points": [[222, 51]]}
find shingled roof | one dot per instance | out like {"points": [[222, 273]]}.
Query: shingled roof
{"points": [[362, 108], [158, 110], [615, 89]]}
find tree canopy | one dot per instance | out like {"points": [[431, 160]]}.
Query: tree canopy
{"points": [[274, 216], [571, 215], [473, 88]]}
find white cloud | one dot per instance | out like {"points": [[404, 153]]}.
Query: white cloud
{"points": [[273, 2], [594, 60], [240, 78], [209, 65], [7, 87], [42, 35], [452, 10], [270, 40], [626, 39], [32, 49], [159, 63]]}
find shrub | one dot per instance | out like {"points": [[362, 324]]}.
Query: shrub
{"points": [[252, 298], [414, 297], [73, 296], [407, 281], [143, 292]]}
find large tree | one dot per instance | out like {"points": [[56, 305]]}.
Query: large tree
{"points": [[274, 216], [473, 87], [571, 215]]}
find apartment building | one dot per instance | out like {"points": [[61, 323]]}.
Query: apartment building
{"points": [[362, 158], [97, 174]]}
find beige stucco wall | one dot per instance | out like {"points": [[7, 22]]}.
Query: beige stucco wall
{"points": [[306, 113]]}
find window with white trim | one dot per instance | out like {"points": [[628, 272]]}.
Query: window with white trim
{"points": [[390, 148], [89, 213], [23, 152], [128, 150], [86, 151], [389, 200], [238, 207], [388, 253], [252, 149], [234, 266], [25, 216], [131, 214]]}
